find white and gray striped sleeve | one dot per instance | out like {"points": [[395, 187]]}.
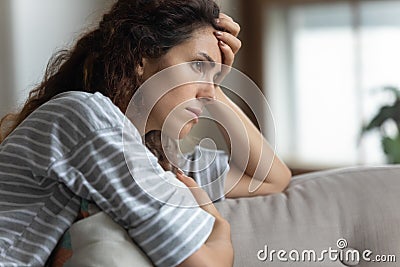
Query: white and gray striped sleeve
{"points": [[115, 170]]}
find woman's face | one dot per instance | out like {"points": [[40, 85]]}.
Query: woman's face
{"points": [[178, 110]]}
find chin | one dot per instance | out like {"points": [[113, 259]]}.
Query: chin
{"points": [[177, 131], [185, 131]]}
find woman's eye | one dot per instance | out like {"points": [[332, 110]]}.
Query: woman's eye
{"points": [[198, 66]]}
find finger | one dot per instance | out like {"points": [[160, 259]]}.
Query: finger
{"points": [[200, 195], [229, 26], [197, 191], [234, 43], [225, 16], [227, 60], [189, 182], [227, 54]]}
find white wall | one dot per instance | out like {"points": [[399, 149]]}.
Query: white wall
{"points": [[6, 81], [31, 31]]}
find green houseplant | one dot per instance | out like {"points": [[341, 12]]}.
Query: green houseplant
{"points": [[390, 144]]}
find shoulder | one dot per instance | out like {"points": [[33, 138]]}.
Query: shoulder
{"points": [[88, 111], [69, 118], [94, 107]]}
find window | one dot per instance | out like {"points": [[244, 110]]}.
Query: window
{"points": [[325, 65]]}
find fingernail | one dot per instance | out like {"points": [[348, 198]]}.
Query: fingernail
{"points": [[222, 43], [218, 33], [180, 171], [217, 21]]}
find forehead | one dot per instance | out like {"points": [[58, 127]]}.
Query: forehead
{"points": [[203, 40]]}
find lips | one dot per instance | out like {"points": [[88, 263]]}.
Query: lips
{"points": [[195, 111]]}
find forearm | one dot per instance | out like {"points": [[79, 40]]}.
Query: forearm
{"points": [[217, 250], [219, 243], [237, 185], [250, 151]]}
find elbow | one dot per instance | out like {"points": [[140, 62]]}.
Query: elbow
{"points": [[284, 180], [287, 177], [281, 176]]}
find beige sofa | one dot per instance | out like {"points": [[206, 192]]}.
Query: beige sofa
{"points": [[343, 210]]}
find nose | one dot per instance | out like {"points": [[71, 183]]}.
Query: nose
{"points": [[206, 90]]}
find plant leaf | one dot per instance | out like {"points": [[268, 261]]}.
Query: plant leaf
{"points": [[385, 113], [396, 116], [391, 147], [393, 89]]}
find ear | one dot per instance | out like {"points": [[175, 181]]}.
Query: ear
{"points": [[145, 68], [140, 68]]}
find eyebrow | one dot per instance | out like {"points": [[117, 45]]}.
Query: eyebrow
{"points": [[206, 56]]}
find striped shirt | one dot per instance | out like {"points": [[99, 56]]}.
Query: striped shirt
{"points": [[208, 167], [80, 146]]}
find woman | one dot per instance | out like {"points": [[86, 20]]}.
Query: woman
{"points": [[67, 143]]}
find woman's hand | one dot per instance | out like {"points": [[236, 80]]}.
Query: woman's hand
{"points": [[228, 42], [218, 249], [199, 194]]}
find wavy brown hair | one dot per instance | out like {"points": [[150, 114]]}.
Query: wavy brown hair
{"points": [[105, 59]]}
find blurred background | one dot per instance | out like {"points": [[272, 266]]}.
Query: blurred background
{"points": [[321, 64]]}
